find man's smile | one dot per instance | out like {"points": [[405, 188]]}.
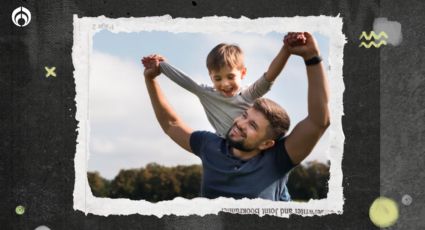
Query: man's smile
{"points": [[236, 131]]}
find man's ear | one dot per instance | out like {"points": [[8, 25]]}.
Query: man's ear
{"points": [[266, 144]]}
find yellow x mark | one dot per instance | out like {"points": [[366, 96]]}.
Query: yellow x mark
{"points": [[50, 71]]}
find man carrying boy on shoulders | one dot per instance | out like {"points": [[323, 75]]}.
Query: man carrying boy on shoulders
{"points": [[256, 156]]}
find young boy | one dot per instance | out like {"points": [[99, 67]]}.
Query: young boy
{"points": [[227, 99]]}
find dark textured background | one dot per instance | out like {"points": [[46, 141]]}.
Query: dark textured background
{"points": [[402, 79], [383, 104]]}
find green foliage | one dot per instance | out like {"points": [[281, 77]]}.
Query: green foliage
{"points": [[309, 181], [157, 183], [99, 186], [123, 184], [152, 183]]}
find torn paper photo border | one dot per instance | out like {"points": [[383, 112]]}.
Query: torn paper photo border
{"points": [[84, 30]]}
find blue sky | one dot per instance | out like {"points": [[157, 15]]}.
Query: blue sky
{"points": [[123, 130]]}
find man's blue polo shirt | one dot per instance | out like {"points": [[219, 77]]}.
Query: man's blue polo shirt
{"points": [[263, 176]]}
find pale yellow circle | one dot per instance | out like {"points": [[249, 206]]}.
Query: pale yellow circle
{"points": [[383, 212], [20, 210]]}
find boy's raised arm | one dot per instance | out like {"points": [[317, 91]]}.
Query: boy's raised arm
{"points": [[180, 78], [263, 84], [282, 57], [277, 64], [170, 122], [301, 141], [174, 74]]}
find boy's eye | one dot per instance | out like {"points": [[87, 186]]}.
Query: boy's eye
{"points": [[217, 79]]}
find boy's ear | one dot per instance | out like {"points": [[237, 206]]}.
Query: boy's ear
{"points": [[243, 72]]}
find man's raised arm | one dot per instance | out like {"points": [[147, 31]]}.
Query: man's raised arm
{"points": [[307, 133], [170, 122]]}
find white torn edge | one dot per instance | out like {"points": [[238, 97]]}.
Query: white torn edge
{"points": [[84, 30]]}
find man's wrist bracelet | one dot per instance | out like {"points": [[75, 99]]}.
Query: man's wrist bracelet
{"points": [[313, 61]]}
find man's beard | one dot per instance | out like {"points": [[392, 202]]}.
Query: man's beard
{"points": [[237, 144]]}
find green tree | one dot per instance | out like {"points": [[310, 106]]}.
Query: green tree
{"points": [[123, 185], [190, 179], [99, 186], [156, 183], [309, 181]]}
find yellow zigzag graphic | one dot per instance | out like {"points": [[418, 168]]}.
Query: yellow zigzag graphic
{"points": [[372, 34], [367, 46]]}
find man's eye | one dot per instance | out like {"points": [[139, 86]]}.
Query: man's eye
{"points": [[253, 125]]}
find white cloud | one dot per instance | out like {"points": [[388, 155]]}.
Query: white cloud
{"points": [[122, 121]]}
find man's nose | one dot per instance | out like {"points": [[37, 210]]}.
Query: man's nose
{"points": [[242, 124]]}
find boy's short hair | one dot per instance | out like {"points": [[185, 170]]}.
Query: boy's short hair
{"points": [[276, 115], [225, 54]]}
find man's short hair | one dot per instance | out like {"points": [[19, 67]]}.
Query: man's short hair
{"points": [[276, 115], [225, 54]]}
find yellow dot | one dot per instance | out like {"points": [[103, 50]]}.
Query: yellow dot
{"points": [[20, 210], [383, 212]]}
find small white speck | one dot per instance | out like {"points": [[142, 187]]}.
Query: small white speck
{"points": [[406, 199], [42, 227]]}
